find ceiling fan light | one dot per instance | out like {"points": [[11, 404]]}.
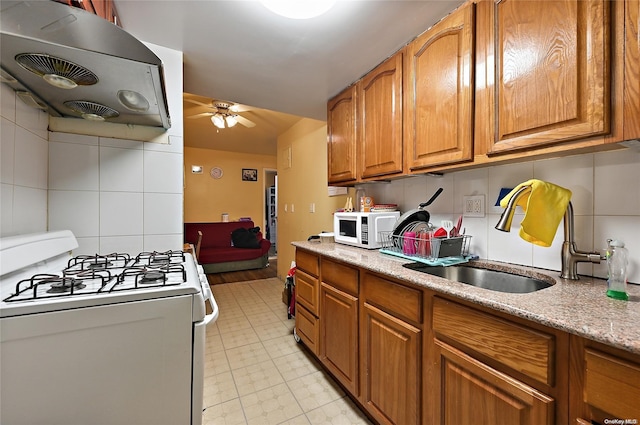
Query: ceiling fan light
{"points": [[231, 120], [298, 9], [217, 120]]}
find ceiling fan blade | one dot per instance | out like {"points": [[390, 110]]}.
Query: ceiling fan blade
{"points": [[244, 121], [203, 114], [208, 105], [236, 107]]}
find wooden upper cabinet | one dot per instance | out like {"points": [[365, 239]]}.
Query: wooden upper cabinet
{"points": [[551, 79], [380, 119], [438, 90], [341, 137], [632, 71]]}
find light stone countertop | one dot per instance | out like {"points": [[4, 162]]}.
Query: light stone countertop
{"points": [[578, 307]]}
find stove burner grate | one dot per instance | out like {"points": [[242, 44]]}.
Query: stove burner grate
{"points": [[156, 258], [43, 285], [99, 262], [63, 284], [151, 276]]}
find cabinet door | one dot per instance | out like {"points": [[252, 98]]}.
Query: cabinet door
{"points": [[380, 119], [439, 93], [632, 71], [339, 335], [552, 72], [341, 137], [390, 365], [605, 383], [473, 393]]}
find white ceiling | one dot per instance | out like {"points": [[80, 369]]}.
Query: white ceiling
{"points": [[239, 51]]}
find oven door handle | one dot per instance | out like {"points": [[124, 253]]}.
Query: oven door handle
{"points": [[214, 306]]}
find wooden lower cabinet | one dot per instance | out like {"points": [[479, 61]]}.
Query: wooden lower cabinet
{"points": [[471, 392], [339, 335], [605, 384], [390, 364], [307, 328]]}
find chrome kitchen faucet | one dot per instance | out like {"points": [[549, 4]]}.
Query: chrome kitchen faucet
{"points": [[570, 255]]}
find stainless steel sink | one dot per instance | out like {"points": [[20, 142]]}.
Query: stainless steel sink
{"points": [[484, 278]]}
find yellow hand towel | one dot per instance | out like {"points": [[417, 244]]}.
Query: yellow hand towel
{"points": [[544, 208]]}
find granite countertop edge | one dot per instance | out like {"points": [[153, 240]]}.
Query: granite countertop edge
{"points": [[577, 307]]}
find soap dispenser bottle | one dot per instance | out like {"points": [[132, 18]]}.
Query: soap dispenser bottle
{"points": [[617, 260]]}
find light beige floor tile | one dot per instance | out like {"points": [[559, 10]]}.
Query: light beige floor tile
{"points": [[296, 365], [273, 405], [256, 377], [268, 331], [257, 308], [298, 420], [229, 413], [213, 343], [282, 346], [219, 389], [215, 363], [339, 412], [315, 390], [261, 318], [239, 338], [247, 355], [233, 325]]}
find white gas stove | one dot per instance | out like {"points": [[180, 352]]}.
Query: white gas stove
{"points": [[127, 329]]}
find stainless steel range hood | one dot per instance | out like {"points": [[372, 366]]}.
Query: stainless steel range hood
{"points": [[77, 65]]}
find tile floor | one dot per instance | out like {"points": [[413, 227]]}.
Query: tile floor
{"points": [[255, 373]]}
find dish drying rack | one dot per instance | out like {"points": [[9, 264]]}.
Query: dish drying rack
{"points": [[424, 247]]}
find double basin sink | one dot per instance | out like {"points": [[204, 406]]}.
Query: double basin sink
{"points": [[493, 280]]}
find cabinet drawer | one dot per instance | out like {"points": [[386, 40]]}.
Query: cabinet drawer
{"points": [[340, 276], [307, 289], [611, 384], [398, 300], [307, 328], [520, 348], [308, 262]]}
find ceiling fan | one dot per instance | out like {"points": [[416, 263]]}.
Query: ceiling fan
{"points": [[223, 114]]}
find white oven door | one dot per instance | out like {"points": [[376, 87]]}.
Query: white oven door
{"points": [[118, 364], [199, 343]]}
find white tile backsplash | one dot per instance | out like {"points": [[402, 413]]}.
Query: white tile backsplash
{"points": [[73, 166], [29, 210], [163, 172], [7, 103], [30, 156], [617, 188], [7, 150], [32, 119], [160, 212], [606, 201], [121, 169], [6, 209], [121, 213], [75, 209]]}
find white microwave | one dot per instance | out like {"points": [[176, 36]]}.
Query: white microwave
{"points": [[362, 229]]}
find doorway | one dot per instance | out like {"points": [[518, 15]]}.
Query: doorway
{"points": [[270, 219]]}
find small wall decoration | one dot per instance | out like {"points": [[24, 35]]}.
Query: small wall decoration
{"points": [[249, 175]]}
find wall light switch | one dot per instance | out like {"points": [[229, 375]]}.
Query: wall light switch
{"points": [[473, 206], [292, 209], [285, 207], [312, 207]]}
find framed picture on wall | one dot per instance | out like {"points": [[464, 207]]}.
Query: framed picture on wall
{"points": [[249, 175]]}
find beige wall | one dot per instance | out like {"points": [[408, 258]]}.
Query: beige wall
{"points": [[205, 198], [303, 183]]}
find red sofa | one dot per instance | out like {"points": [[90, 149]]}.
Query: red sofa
{"points": [[217, 255]]}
